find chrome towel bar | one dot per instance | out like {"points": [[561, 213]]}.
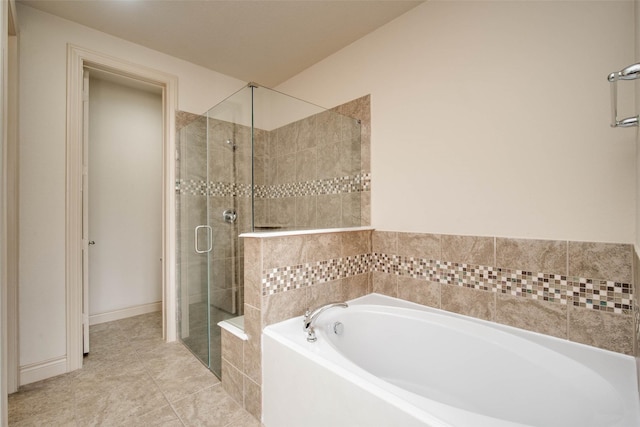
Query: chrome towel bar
{"points": [[631, 72]]}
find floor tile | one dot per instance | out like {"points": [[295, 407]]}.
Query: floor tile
{"points": [[247, 420], [120, 403], [211, 407], [163, 417], [37, 398], [130, 378]]}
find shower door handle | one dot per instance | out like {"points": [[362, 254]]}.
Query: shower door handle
{"points": [[197, 239]]}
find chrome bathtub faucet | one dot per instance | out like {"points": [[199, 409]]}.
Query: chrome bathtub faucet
{"points": [[311, 316]]}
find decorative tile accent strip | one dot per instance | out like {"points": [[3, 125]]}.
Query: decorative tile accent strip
{"points": [[341, 185], [587, 293], [282, 279], [602, 295], [191, 187], [581, 292], [543, 286], [200, 187]]}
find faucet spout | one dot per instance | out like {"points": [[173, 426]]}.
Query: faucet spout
{"points": [[311, 316]]}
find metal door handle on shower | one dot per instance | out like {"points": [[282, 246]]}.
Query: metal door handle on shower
{"points": [[631, 72], [196, 239]]}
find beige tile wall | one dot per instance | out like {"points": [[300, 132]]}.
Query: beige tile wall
{"points": [[561, 317], [241, 360], [241, 364], [303, 169], [557, 317]]}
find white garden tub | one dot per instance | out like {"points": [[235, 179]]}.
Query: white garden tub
{"points": [[401, 364]]}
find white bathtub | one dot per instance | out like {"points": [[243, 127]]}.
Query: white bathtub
{"points": [[401, 364]]}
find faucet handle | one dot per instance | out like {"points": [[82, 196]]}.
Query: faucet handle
{"points": [[310, 316], [305, 320], [306, 326]]}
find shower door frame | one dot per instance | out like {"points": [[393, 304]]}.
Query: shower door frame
{"points": [[77, 59]]}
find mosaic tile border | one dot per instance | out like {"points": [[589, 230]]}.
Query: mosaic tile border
{"points": [[340, 185], [600, 295], [282, 279], [603, 295], [192, 187]]}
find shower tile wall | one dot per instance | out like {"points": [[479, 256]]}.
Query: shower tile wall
{"points": [[312, 173]]}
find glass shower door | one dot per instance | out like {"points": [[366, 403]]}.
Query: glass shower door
{"points": [[214, 207], [195, 238]]}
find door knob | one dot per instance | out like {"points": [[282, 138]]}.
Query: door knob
{"points": [[92, 242]]}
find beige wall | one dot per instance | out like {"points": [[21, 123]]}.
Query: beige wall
{"points": [[492, 118], [43, 59]]}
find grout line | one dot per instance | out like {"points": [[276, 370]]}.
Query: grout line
{"points": [[165, 398], [567, 257], [495, 251]]}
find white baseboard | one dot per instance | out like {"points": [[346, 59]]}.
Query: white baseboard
{"points": [[137, 310], [43, 370]]}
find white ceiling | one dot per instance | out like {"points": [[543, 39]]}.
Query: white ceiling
{"points": [[262, 41]]}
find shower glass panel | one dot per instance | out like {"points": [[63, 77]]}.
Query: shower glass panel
{"points": [[214, 207], [193, 274], [258, 161], [307, 168]]}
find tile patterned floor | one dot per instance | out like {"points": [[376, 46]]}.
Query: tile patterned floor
{"points": [[130, 378]]}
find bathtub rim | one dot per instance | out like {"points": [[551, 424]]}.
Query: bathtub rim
{"points": [[270, 234], [576, 351]]}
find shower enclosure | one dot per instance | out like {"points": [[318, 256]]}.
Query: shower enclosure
{"points": [[258, 161]]}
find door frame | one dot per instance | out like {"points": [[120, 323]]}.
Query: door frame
{"points": [[77, 59], [9, 346]]}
